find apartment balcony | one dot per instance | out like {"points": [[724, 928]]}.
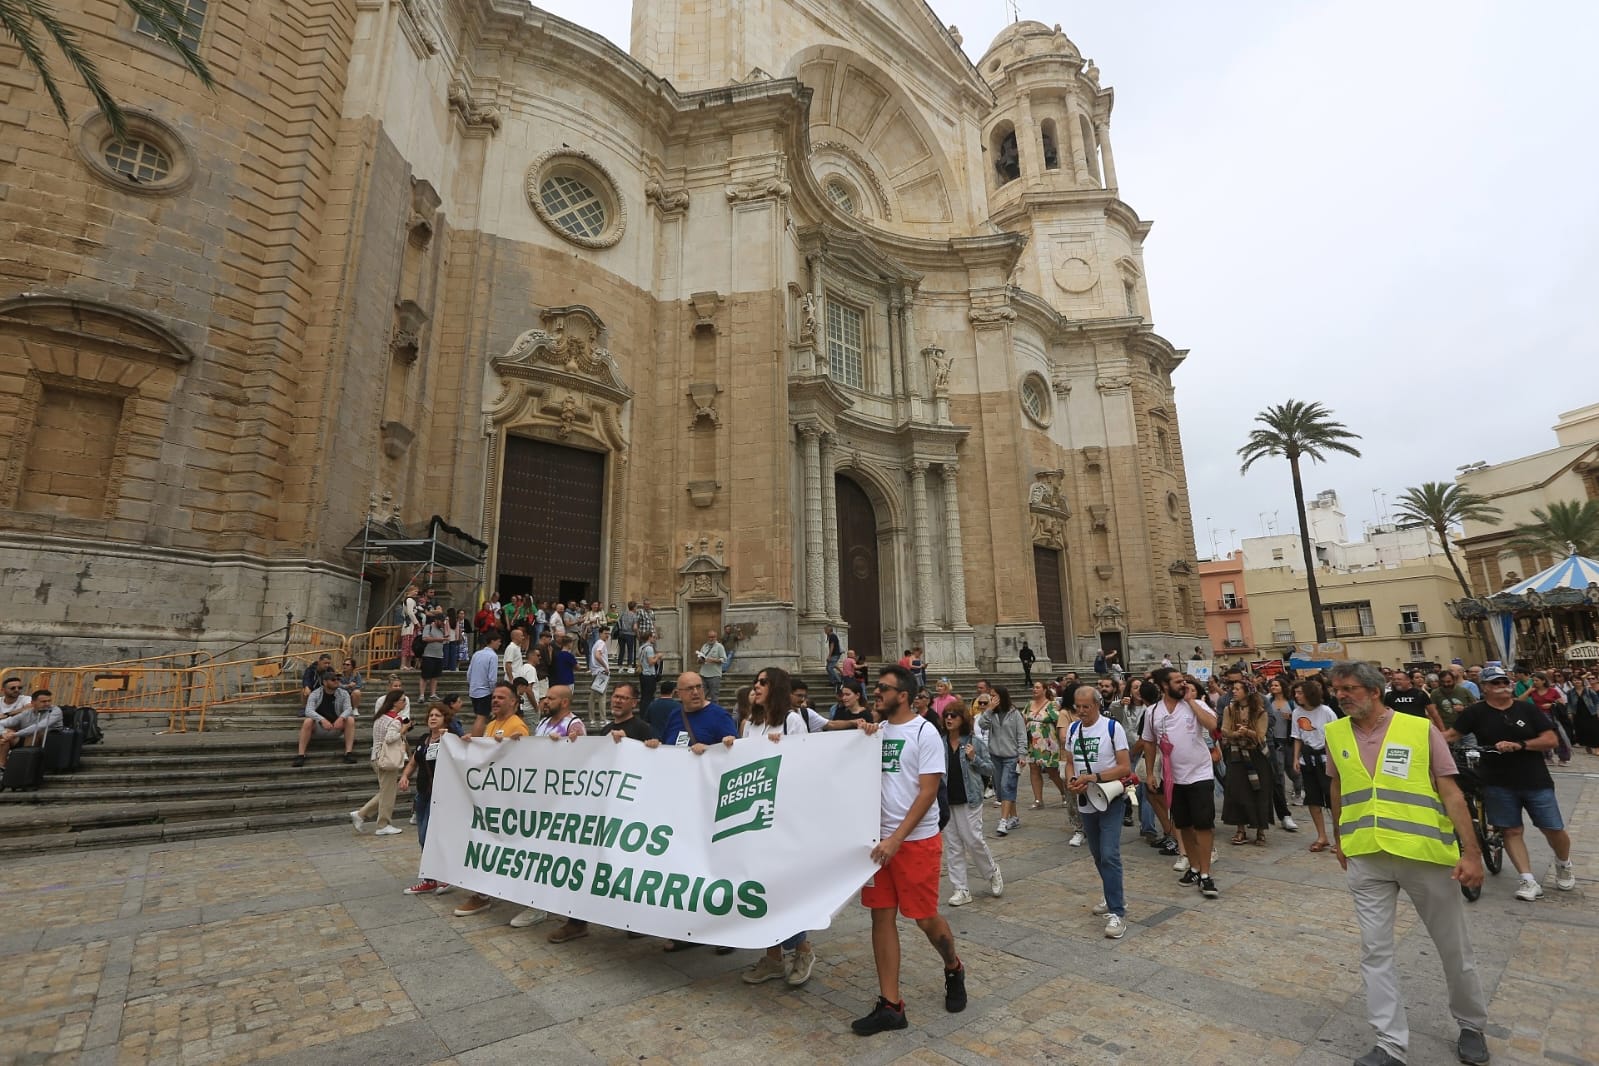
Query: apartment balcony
{"points": [[1412, 627], [1352, 631], [1235, 644], [1230, 603], [1282, 636]]}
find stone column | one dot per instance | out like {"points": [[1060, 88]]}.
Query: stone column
{"points": [[920, 530], [1074, 131], [1029, 149], [830, 527], [1106, 160], [952, 538], [810, 436]]}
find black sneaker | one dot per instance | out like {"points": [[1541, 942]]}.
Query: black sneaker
{"points": [[1169, 847], [299, 760], [349, 756], [1190, 877], [955, 990], [884, 1016], [1208, 889]]}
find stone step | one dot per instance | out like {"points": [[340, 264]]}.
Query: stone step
{"points": [[25, 818], [118, 773], [155, 788], [155, 832]]}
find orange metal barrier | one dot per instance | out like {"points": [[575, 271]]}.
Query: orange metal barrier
{"points": [[376, 649]]}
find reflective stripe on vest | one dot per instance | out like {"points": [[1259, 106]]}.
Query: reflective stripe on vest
{"points": [[1403, 816]]}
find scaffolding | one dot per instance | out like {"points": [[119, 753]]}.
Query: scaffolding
{"points": [[443, 548]]}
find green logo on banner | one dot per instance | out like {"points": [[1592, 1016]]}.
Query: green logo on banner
{"points": [[891, 753], [750, 790]]}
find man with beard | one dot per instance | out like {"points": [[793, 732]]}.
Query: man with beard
{"points": [[1177, 728], [1400, 821], [1403, 695]]}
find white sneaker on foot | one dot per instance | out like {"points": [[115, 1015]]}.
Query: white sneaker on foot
{"points": [[530, 916], [356, 820], [996, 884], [1565, 877], [1101, 907], [1529, 890], [1003, 828], [960, 898], [1114, 927], [1289, 824], [1077, 840], [1181, 865], [388, 831]]}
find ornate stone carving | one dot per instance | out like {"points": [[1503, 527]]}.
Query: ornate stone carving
{"points": [[1048, 531], [808, 311], [424, 208], [561, 377], [703, 394], [765, 189], [1098, 516], [703, 493], [1093, 455], [397, 438], [705, 305], [405, 339], [1108, 613], [992, 317], [668, 201], [862, 169], [1061, 384], [1047, 493], [1104, 571], [942, 365], [1181, 568], [481, 115], [1114, 382]]}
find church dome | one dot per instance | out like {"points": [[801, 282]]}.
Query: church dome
{"points": [[1028, 38]]}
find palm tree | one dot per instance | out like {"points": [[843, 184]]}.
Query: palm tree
{"points": [[1567, 524], [18, 18], [1441, 506], [1291, 430]]}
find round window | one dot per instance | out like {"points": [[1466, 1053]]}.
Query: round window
{"points": [[841, 195], [1035, 399], [575, 196], [150, 158], [137, 160], [1174, 506]]}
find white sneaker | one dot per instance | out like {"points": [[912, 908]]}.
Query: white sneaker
{"points": [[1015, 821], [388, 831], [1114, 927], [1289, 824], [988, 793], [1565, 877], [413, 817], [960, 898], [996, 884], [1003, 828], [1529, 890], [1101, 907], [530, 916], [356, 820], [1077, 840], [1181, 865]]}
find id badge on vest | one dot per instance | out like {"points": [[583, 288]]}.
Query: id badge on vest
{"points": [[1395, 760]]}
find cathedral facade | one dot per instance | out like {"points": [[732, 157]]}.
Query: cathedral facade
{"points": [[780, 322]]}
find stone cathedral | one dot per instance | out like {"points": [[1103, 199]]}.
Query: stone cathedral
{"points": [[793, 316]]}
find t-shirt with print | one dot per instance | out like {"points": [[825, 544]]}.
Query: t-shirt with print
{"points": [[1521, 722], [1451, 701], [1411, 701], [1310, 726], [909, 751], [1190, 756], [1093, 750]]}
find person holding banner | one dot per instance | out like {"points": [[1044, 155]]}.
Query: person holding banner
{"points": [[420, 770], [559, 722], [909, 854], [699, 722], [503, 724], [1100, 760]]}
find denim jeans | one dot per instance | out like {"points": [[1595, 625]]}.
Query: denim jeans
{"points": [[629, 650], [1005, 777], [832, 669], [796, 940], [421, 804], [1146, 812], [1104, 833]]}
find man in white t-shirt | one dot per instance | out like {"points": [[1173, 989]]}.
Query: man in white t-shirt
{"points": [[1096, 751], [14, 700], [910, 853], [1177, 728]]}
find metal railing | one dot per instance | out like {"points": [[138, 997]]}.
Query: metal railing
{"points": [[1282, 636], [1412, 627], [1230, 603]]}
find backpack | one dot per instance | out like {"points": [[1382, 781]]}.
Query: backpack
{"points": [[1099, 664], [943, 787], [85, 722]]}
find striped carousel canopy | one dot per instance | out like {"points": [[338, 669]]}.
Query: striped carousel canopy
{"points": [[1574, 572]]}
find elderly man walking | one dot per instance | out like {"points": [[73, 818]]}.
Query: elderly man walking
{"points": [[1401, 822]]}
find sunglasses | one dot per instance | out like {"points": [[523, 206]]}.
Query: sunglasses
{"points": [[952, 718], [1497, 681], [889, 688], [762, 681]]}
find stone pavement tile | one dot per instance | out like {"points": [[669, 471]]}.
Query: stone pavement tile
{"points": [[209, 873], [1070, 1019], [223, 951], [49, 1000], [57, 891], [408, 1043], [489, 1020], [1555, 1024], [422, 938], [566, 1045], [437, 985], [1430, 1045]]}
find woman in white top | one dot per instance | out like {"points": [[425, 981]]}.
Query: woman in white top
{"points": [[387, 730], [771, 715], [1310, 753]]}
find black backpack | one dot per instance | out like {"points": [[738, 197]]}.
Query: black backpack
{"points": [[83, 721]]}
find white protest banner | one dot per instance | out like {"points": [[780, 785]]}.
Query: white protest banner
{"points": [[740, 846], [1200, 668]]}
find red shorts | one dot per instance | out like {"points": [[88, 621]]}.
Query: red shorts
{"points": [[909, 880]]}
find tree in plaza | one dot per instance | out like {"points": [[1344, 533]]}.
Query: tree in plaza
{"points": [[1292, 430], [1441, 506], [1564, 526], [22, 19]]}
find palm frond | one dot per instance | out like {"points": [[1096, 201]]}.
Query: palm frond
{"points": [[167, 17]]}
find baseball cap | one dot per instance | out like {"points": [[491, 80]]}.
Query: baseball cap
{"points": [[1493, 673]]}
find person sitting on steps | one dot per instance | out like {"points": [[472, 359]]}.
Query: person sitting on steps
{"points": [[328, 713]]}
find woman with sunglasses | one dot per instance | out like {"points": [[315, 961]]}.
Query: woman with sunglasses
{"points": [[968, 764], [772, 716], [352, 682]]}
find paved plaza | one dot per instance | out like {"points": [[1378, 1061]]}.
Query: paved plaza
{"points": [[299, 947]]}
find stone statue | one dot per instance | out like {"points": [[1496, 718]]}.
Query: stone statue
{"points": [[942, 364], [808, 315]]}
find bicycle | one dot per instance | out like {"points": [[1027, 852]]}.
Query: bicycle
{"points": [[1489, 839]]}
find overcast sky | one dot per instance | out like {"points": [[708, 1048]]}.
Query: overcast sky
{"points": [[1391, 207]]}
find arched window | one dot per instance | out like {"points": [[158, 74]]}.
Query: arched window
{"points": [[1163, 449], [1090, 146], [1051, 145], [1007, 160]]}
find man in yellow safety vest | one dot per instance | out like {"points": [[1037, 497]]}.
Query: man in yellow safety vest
{"points": [[1400, 822]]}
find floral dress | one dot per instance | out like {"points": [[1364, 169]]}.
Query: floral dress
{"points": [[1043, 742]]}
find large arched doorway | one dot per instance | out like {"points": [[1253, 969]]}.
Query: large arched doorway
{"points": [[551, 536], [859, 596]]}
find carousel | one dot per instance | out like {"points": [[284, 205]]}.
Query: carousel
{"points": [[1549, 619]]}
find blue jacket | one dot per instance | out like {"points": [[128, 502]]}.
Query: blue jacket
{"points": [[973, 767]]}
